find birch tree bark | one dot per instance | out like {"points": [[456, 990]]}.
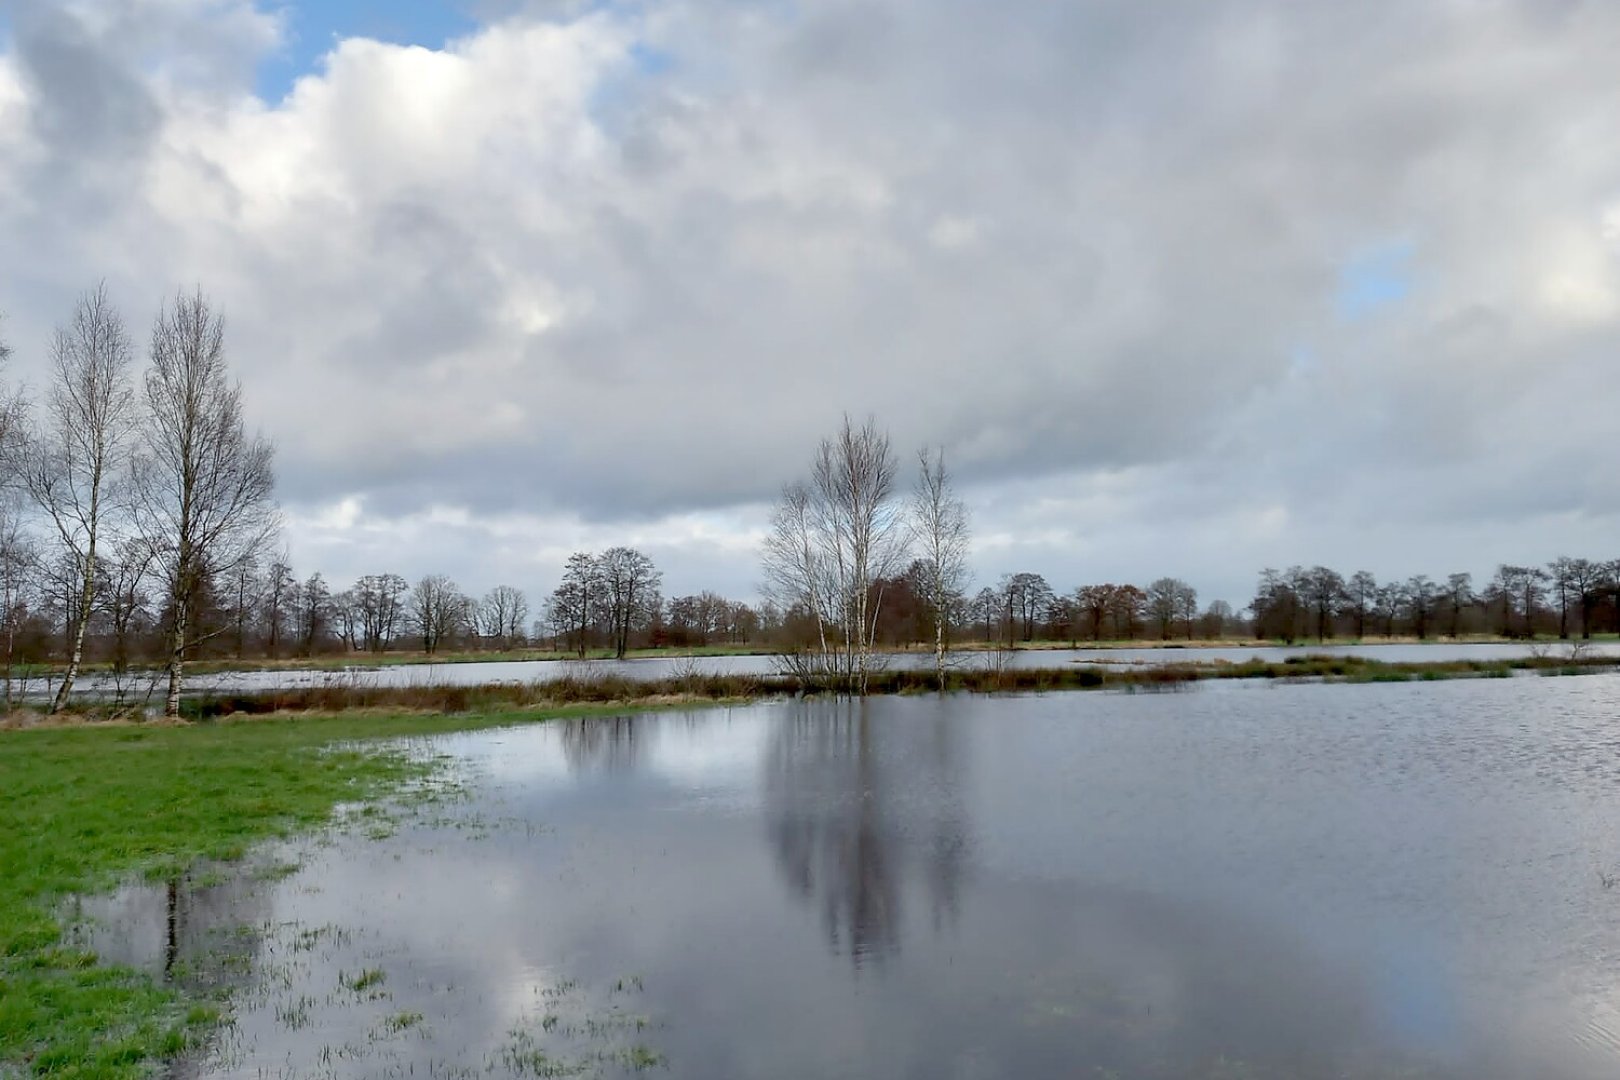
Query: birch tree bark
{"points": [[74, 462], [204, 488], [940, 520]]}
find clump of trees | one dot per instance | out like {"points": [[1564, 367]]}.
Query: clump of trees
{"points": [[152, 500], [1566, 597], [612, 596], [837, 541]]}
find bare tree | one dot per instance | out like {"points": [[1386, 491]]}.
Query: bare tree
{"points": [[630, 587], [502, 615], [1187, 606], [1420, 599], [1217, 618], [1586, 576], [940, 520], [377, 610], [204, 488], [245, 592], [1278, 606], [315, 609], [73, 464], [280, 602], [1027, 597], [572, 606], [18, 561], [437, 610], [1093, 603], [1169, 600], [1388, 603], [832, 539], [1322, 590], [1575, 581], [1361, 598], [1459, 594], [1164, 603], [986, 610], [127, 603]]}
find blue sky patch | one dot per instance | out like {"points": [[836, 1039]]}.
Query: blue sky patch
{"points": [[313, 27], [1374, 279]]}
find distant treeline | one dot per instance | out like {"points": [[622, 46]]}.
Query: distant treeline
{"points": [[137, 528], [265, 610]]}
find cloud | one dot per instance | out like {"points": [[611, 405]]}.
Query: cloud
{"points": [[534, 278]]}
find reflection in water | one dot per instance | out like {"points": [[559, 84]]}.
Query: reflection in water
{"points": [[602, 744], [1345, 882], [849, 800], [197, 930]]}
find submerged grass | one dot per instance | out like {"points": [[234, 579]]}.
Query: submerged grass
{"points": [[697, 687], [87, 807]]}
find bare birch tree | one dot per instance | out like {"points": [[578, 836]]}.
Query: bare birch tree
{"points": [[204, 488], [832, 540], [73, 464], [940, 520]]}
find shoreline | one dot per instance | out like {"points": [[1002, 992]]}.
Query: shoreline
{"points": [[608, 690], [378, 661]]}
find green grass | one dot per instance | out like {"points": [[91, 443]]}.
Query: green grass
{"points": [[87, 807]]}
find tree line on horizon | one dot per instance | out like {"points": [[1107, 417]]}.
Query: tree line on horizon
{"points": [[137, 526]]}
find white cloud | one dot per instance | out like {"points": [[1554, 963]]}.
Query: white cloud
{"points": [[529, 292]]}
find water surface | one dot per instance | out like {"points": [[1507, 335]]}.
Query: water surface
{"points": [[653, 668], [1232, 881]]}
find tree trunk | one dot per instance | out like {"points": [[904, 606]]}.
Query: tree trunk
{"points": [[177, 660], [87, 596], [939, 636]]}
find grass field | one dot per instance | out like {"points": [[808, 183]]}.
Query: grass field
{"points": [[86, 807]]}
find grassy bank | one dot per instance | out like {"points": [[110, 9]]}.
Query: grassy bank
{"points": [[698, 687], [86, 807]]}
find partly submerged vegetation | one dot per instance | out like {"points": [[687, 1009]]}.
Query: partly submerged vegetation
{"points": [[985, 675], [86, 807]]}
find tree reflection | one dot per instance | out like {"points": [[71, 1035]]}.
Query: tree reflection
{"points": [[199, 929], [603, 743], [861, 813]]}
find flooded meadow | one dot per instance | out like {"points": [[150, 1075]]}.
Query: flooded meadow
{"points": [[1230, 881]]}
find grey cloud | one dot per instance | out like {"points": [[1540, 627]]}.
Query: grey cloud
{"points": [[1065, 241], [92, 110]]}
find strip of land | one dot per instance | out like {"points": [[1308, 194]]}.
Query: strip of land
{"points": [[395, 658], [697, 686]]}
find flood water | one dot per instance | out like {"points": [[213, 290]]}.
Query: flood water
{"points": [[1232, 881], [652, 668]]}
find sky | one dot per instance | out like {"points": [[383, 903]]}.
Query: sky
{"points": [[1189, 288]]}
